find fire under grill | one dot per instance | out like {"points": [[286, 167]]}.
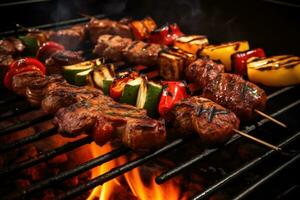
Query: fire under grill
{"points": [[283, 103]]}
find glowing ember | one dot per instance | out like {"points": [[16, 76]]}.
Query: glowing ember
{"points": [[134, 181]]}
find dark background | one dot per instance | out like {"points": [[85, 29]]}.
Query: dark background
{"points": [[273, 25]]}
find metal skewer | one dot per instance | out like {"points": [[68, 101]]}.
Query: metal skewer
{"points": [[257, 140]]}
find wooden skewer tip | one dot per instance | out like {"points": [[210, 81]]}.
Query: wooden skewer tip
{"points": [[270, 118]]}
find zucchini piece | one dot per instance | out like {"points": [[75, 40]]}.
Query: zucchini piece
{"points": [[130, 91], [80, 78], [100, 75], [152, 98], [70, 71], [142, 94], [31, 44], [106, 85]]}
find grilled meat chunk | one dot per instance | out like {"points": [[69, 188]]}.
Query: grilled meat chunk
{"points": [[212, 122], [203, 71], [236, 94], [139, 52], [11, 46], [35, 91], [62, 94], [97, 27], [60, 58], [111, 46], [21, 81], [105, 119], [71, 38]]}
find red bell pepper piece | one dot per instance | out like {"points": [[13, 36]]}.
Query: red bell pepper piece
{"points": [[173, 91], [239, 60], [117, 87], [22, 65], [47, 49], [165, 35]]}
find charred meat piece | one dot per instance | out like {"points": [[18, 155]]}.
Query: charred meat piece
{"points": [[11, 46], [5, 61], [203, 71], [236, 94], [139, 52], [212, 122], [71, 38], [21, 81], [104, 119], [35, 91], [62, 94], [97, 27], [60, 58], [111, 46]]}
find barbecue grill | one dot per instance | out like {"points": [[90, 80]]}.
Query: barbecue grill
{"points": [[274, 173]]}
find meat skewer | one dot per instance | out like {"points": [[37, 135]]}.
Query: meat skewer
{"points": [[229, 90], [212, 122]]}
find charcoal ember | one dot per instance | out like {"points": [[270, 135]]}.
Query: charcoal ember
{"points": [[37, 172], [22, 183], [28, 153], [72, 181], [82, 178], [58, 160]]}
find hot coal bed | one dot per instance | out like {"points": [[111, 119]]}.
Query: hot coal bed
{"points": [[37, 163]]}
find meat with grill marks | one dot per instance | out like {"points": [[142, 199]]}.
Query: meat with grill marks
{"points": [[62, 94], [229, 90], [117, 48], [212, 122], [71, 38], [104, 120], [97, 27]]}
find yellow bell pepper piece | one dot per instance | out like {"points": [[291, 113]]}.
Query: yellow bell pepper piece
{"points": [[224, 51], [191, 43], [280, 70]]}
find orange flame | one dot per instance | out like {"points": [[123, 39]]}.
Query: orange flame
{"points": [[139, 189]]}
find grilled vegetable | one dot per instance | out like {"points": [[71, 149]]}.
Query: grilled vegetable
{"points": [[117, 87], [130, 91], [70, 71], [81, 77], [173, 92], [165, 35], [106, 85], [239, 60], [47, 49], [31, 44], [149, 96], [172, 63], [22, 65], [280, 70], [224, 51], [101, 74], [191, 43], [141, 29]]}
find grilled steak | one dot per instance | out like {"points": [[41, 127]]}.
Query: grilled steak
{"points": [[22, 80], [111, 46], [212, 122], [105, 119], [62, 94], [236, 94], [71, 38], [11, 46], [139, 52], [203, 71], [97, 27]]}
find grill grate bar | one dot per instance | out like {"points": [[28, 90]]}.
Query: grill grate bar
{"points": [[243, 169], [46, 156], [26, 140], [173, 172], [115, 172], [16, 111], [24, 124], [267, 178], [75, 171], [287, 193]]}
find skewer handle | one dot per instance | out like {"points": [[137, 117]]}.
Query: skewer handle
{"points": [[270, 118], [257, 140]]}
